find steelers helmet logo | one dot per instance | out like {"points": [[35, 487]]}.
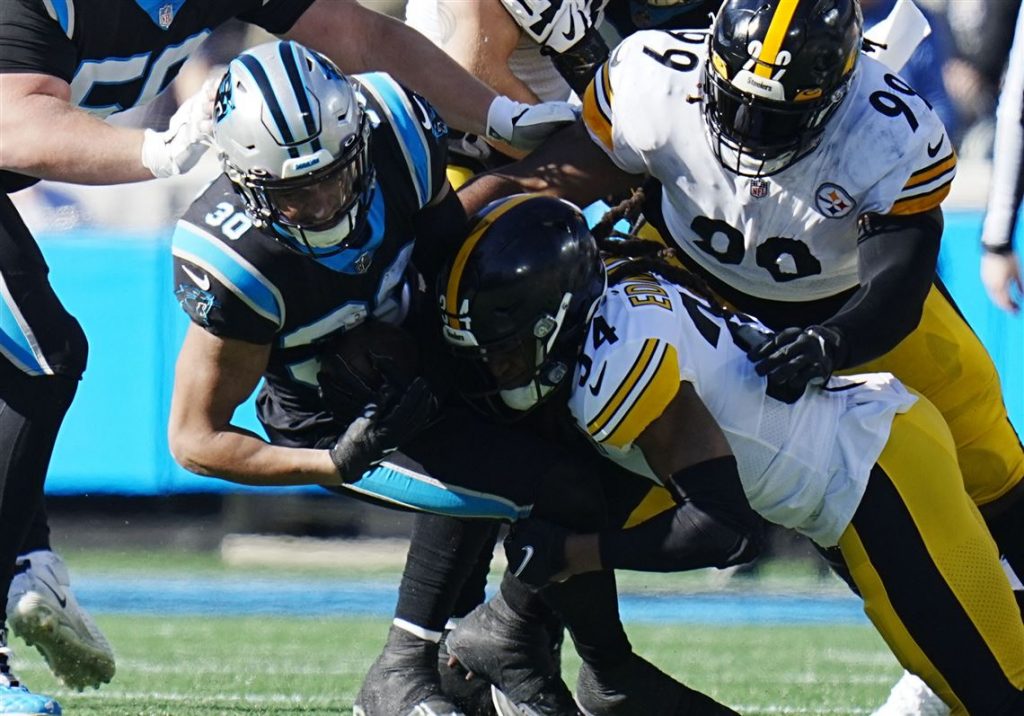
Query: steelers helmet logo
{"points": [[833, 201]]}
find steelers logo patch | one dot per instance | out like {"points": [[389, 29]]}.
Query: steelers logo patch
{"points": [[833, 201]]}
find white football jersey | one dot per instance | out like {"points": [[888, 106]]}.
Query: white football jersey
{"points": [[803, 465], [791, 236]]}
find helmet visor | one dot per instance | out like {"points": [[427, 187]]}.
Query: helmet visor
{"points": [[318, 200], [760, 125]]}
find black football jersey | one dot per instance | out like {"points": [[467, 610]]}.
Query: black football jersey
{"points": [[237, 281], [117, 54]]}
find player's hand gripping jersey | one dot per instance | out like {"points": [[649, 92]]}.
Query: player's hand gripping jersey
{"points": [[803, 465], [237, 281], [790, 236]]}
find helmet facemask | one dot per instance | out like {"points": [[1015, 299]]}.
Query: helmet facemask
{"points": [[319, 213], [756, 137], [775, 75], [516, 301], [522, 369]]}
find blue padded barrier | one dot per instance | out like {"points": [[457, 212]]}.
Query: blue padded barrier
{"points": [[119, 286]]}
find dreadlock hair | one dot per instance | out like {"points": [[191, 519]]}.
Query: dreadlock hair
{"points": [[643, 255]]}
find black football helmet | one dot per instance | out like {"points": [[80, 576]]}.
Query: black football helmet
{"points": [[516, 299], [672, 14], [776, 72]]}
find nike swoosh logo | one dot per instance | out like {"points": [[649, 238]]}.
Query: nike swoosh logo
{"points": [[61, 599], [932, 151], [203, 283], [571, 34], [595, 388], [424, 114], [526, 560]]}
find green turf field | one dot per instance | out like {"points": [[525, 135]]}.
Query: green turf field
{"points": [[279, 666]]}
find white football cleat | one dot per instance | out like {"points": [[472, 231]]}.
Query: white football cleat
{"points": [[912, 697], [43, 611]]}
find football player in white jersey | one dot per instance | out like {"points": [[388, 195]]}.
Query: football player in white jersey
{"points": [[658, 378], [802, 179], [529, 51]]}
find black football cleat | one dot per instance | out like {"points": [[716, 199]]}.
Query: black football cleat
{"points": [[637, 687], [514, 655], [472, 694], [403, 681]]}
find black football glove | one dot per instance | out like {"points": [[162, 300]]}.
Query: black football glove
{"points": [[794, 358], [383, 428], [535, 550]]}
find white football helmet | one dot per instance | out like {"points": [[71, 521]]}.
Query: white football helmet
{"points": [[293, 136]]}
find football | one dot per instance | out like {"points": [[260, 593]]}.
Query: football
{"points": [[355, 365]]}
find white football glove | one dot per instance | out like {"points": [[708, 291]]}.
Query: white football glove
{"points": [[178, 148], [557, 24], [525, 126]]}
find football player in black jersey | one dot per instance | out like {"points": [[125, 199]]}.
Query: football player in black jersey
{"points": [[67, 63], [333, 188]]}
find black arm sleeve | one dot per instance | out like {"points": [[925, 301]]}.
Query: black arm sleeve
{"points": [[897, 257], [578, 64], [712, 526]]}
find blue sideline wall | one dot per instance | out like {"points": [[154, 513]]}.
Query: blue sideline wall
{"points": [[114, 439]]}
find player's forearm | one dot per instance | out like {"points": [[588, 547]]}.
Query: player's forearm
{"points": [[361, 40], [242, 457], [529, 175], [461, 99], [45, 137]]}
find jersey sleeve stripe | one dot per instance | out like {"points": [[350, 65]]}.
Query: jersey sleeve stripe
{"points": [[407, 129], [932, 172], [17, 341], [459, 264], [922, 202], [597, 108], [648, 387], [192, 244], [63, 11], [651, 399], [641, 363]]}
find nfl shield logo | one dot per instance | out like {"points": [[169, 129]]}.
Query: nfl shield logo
{"points": [[759, 188], [166, 16]]}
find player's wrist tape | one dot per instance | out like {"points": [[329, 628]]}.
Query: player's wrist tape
{"points": [[998, 249]]}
